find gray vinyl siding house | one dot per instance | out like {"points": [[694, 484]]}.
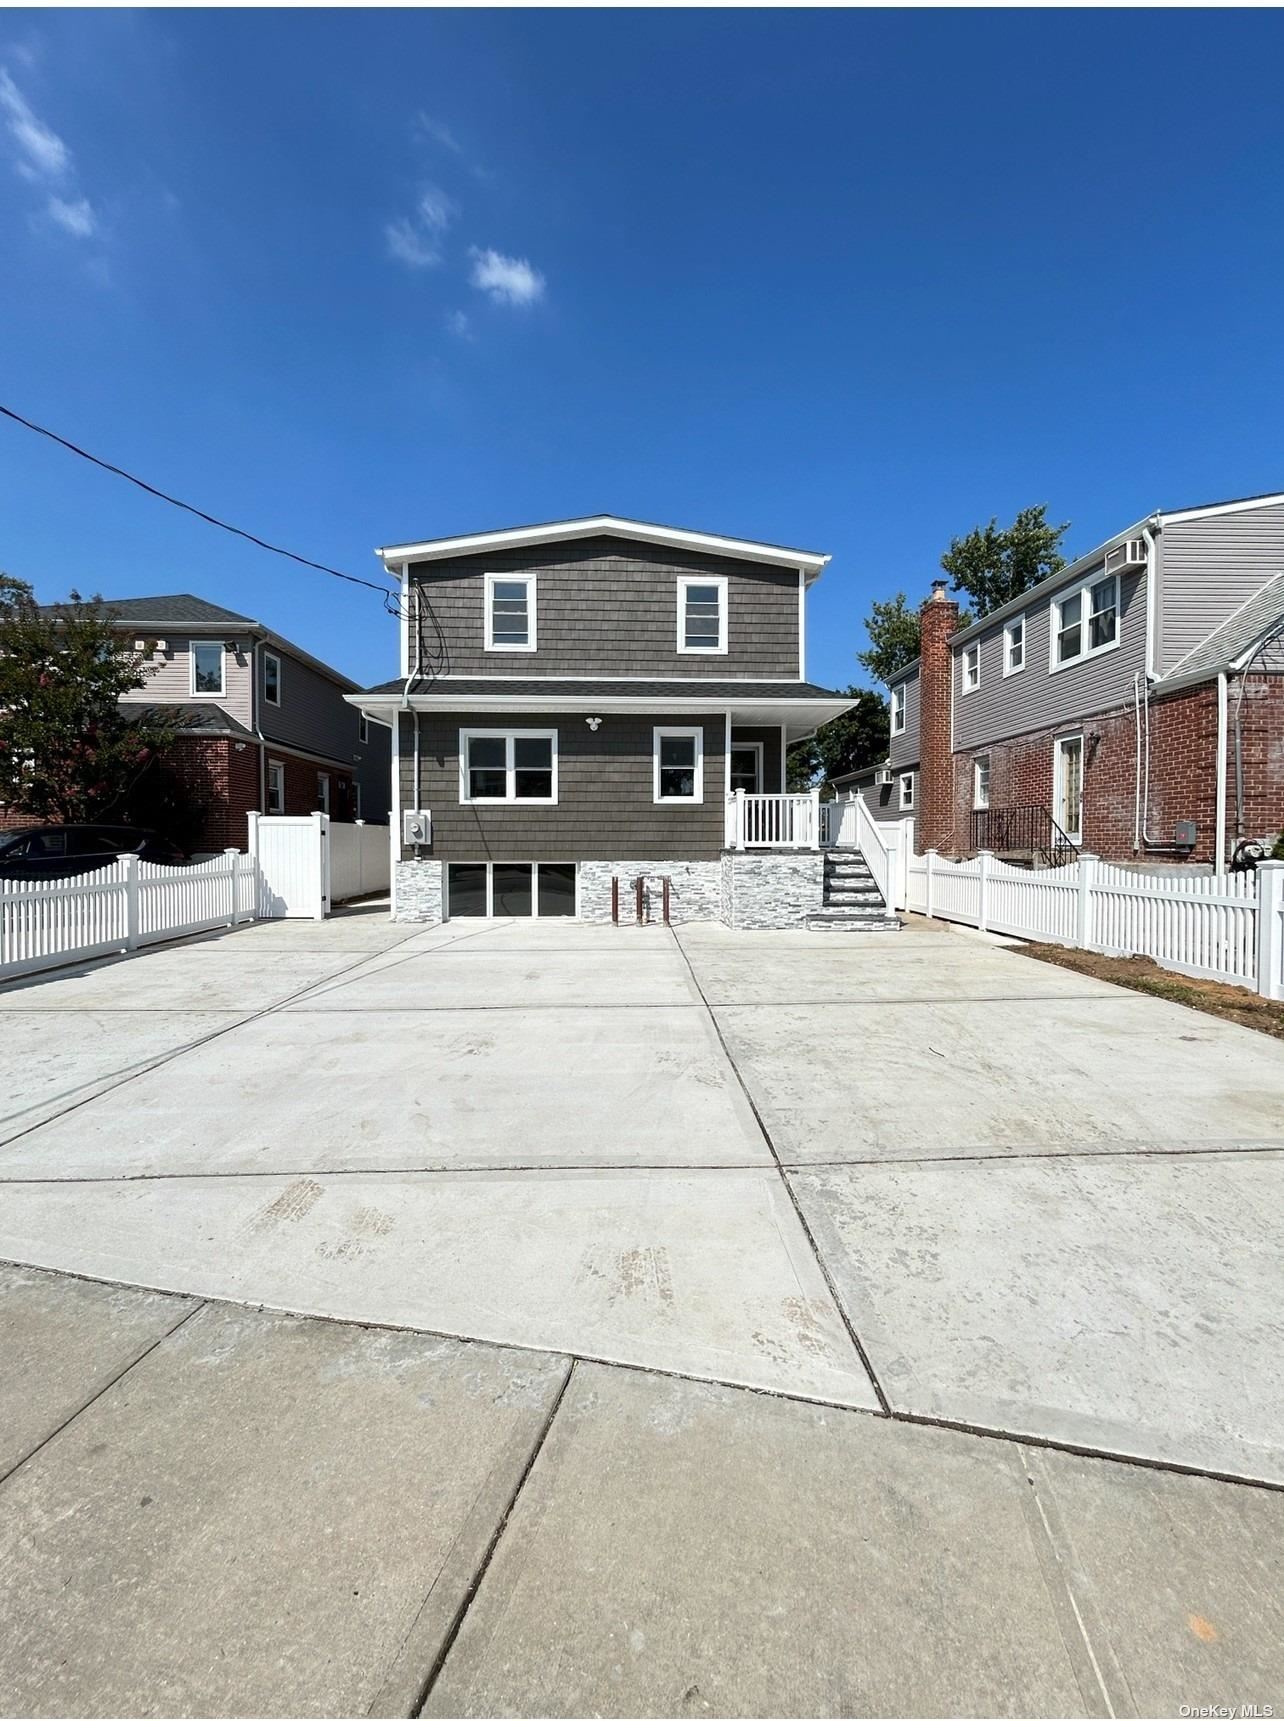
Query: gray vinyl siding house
{"points": [[899, 798], [580, 702]]}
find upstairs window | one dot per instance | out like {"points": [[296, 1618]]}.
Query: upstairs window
{"points": [[508, 765], [271, 678], [1085, 621], [971, 668], [207, 666], [702, 615], [678, 764], [510, 612], [1014, 646], [898, 709]]}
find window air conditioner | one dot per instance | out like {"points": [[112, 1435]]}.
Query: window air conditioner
{"points": [[883, 777], [1130, 554]]}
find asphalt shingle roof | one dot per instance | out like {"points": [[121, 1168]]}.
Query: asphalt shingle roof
{"points": [[178, 610], [1235, 635], [195, 719]]}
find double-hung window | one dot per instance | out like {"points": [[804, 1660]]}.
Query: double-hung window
{"points": [[510, 612], [207, 667], [1014, 646], [702, 614], [907, 791], [1085, 621], [508, 765], [971, 667], [271, 678], [678, 767], [898, 709], [275, 786]]}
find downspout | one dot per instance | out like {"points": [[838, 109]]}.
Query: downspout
{"points": [[254, 723], [1219, 839], [414, 668]]}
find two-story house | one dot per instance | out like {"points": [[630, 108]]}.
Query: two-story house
{"points": [[597, 701], [1131, 704], [263, 726]]}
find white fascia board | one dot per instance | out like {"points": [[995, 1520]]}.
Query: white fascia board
{"points": [[1215, 508], [764, 710], [809, 562]]}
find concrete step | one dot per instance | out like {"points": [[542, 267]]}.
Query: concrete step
{"points": [[843, 920]]}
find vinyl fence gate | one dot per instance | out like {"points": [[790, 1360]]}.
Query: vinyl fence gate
{"points": [[293, 856]]}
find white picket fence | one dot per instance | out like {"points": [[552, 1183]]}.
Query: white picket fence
{"points": [[122, 906], [1228, 928]]}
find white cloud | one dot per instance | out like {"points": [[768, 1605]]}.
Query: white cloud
{"points": [[41, 153], [439, 133], [78, 218], [507, 280], [416, 239], [460, 325]]}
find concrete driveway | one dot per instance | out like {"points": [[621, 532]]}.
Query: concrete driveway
{"points": [[885, 1182]]}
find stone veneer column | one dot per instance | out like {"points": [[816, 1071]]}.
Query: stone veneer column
{"points": [[938, 619]]}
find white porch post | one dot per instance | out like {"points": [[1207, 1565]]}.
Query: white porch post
{"points": [[815, 818], [1270, 929]]}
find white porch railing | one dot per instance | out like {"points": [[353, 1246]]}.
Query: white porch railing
{"points": [[120, 907], [773, 821], [1228, 928]]}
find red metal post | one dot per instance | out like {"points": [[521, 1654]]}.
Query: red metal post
{"points": [[639, 886], [615, 899], [666, 899]]}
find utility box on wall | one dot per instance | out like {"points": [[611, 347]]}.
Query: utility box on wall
{"points": [[1185, 833], [416, 828]]}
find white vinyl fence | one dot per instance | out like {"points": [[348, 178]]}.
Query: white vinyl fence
{"points": [[122, 906], [360, 860], [1228, 927]]}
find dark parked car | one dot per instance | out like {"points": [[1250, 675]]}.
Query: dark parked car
{"points": [[63, 851]]}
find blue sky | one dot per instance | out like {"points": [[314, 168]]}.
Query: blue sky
{"points": [[854, 281]]}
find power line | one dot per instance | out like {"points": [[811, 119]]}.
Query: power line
{"points": [[390, 597]]}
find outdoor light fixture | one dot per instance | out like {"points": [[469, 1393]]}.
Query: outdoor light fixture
{"points": [[594, 723]]}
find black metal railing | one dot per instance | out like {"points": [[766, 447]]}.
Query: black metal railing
{"points": [[1022, 830]]}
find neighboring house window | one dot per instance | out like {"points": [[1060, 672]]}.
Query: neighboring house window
{"points": [[207, 666], [508, 765], [1085, 621], [275, 786], [271, 678], [323, 791], [1014, 646], [678, 766], [971, 668], [898, 709], [907, 790], [981, 781], [1068, 784], [363, 728], [510, 612], [702, 615]]}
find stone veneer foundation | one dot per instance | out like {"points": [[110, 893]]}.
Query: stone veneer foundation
{"points": [[752, 891]]}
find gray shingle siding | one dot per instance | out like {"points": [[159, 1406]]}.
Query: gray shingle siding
{"points": [[605, 807], [608, 609], [1036, 697], [902, 749], [1209, 567]]}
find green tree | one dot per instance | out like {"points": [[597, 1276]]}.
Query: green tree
{"points": [[994, 563], [893, 638], [856, 739], [68, 753]]}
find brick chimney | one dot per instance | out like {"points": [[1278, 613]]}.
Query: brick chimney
{"points": [[938, 619]]}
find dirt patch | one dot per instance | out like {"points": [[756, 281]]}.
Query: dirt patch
{"points": [[1141, 974]]}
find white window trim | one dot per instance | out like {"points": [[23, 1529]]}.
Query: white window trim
{"points": [[973, 651], [979, 805], [324, 792], [275, 769], [906, 801], [660, 734], [1061, 741], [531, 584], [720, 581], [1086, 651], [510, 798], [268, 657], [1017, 621], [898, 712], [222, 668], [745, 747]]}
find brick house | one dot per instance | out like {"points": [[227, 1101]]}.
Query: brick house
{"points": [[1132, 704], [263, 725], [604, 700]]}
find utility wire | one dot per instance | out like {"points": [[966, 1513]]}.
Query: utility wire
{"points": [[389, 597]]}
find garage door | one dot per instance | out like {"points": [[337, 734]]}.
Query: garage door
{"points": [[524, 889]]}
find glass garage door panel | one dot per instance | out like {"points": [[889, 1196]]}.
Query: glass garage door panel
{"points": [[512, 888], [556, 888], [466, 882]]}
